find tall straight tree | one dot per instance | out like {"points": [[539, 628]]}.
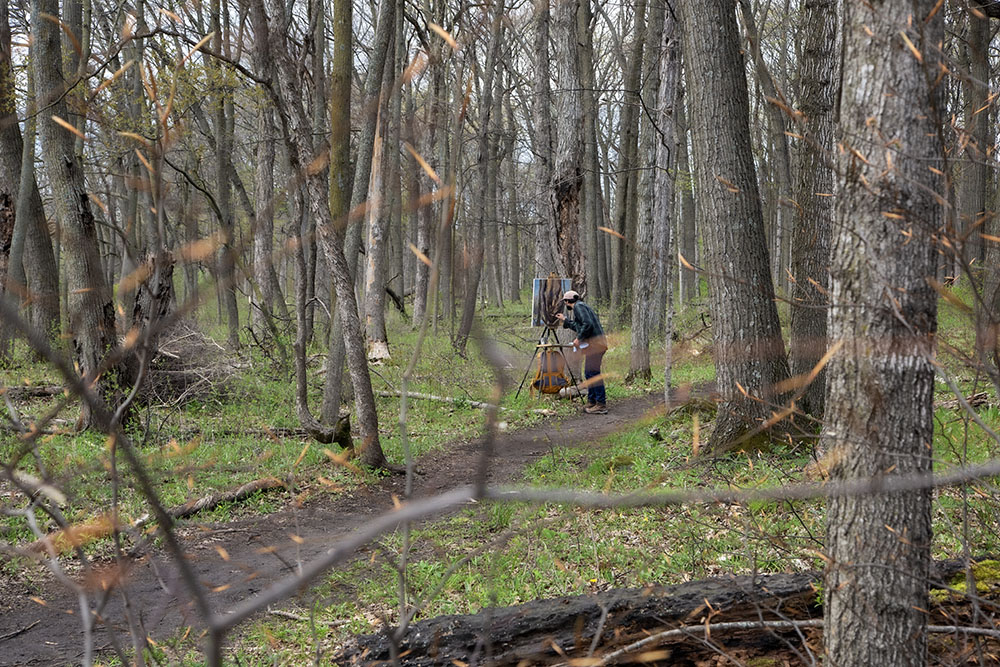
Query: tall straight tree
{"points": [[880, 409], [645, 252], [10, 171], [474, 268], [32, 243], [91, 313], [749, 351], [223, 196], [546, 251], [379, 217], [814, 205], [384, 30], [567, 176], [626, 190]]}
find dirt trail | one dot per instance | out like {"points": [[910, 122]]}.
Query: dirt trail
{"points": [[261, 549]]}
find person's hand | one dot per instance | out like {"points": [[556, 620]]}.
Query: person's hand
{"points": [[576, 342], [560, 316]]}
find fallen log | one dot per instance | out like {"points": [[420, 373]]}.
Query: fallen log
{"points": [[547, 631], [33, 391], [768, 610]]}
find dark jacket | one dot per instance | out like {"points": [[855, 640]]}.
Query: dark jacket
{"points": [[586, 325]]}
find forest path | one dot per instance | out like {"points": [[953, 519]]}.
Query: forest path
{"points": [[235, 560]]}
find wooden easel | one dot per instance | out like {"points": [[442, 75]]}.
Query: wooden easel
{"points": [[543, 343]]}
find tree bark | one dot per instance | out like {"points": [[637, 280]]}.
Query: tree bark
{"points": [[512, 217], [379, 214], [814, 203], [687, 233], [749, 351], [359, 190], [591, 196], [294, 123], [546, 250], [977, 155], [32, 243], [223, 196], [884, 312], [91, 313], [423, 217], [10, 176], [567, 176], [626, 188], [474, 266], [645, 252], [263, 239], [779, 181]]}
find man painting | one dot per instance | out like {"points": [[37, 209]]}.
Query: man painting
{"points": [[591, 342]]}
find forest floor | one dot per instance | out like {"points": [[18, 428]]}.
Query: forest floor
{"points": [[39, 619], [39, 622]]}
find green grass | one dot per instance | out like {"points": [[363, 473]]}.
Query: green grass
{"points": [[501, 554]]}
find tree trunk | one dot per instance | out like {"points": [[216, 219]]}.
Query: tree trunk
{"points": [[977, 155], [223, 196], [686, 231], [359, 187], [567, 176], [814, 210], [474, 267], [263, 239], [780, 176], [646, 253], [493, 237], [591, 191], [628, 177], [749, 351], [10, 176], [546, 249], [379, 214], [294, 121], [424, 216], [512, 215], [91, 313], [880, 409], [32, 242]]}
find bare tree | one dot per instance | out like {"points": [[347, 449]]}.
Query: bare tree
{"points": [[749, 351], [814, 203], [884, 313], [567, 175], [92, 317]]}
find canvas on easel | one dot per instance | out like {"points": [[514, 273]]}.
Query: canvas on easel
{"points": [[546, 300]]}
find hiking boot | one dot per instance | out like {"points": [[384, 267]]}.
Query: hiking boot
{"points": [[596, 409]]}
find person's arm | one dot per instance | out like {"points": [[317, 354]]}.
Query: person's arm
{"points": [[567, 323]]}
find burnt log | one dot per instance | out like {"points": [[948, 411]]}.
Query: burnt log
{"points": [[551, 631], [547, 631]]}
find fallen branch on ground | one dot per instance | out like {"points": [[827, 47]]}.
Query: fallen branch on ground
{"points": [[62, 540], [214, 500], [38, 391]]}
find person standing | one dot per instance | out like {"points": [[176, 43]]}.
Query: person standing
{"points": [[591, 342]]}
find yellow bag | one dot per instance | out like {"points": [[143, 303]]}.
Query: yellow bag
{"points": [[551, 374]]}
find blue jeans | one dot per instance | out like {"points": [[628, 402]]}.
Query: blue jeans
{"points": [[592, 367]]}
